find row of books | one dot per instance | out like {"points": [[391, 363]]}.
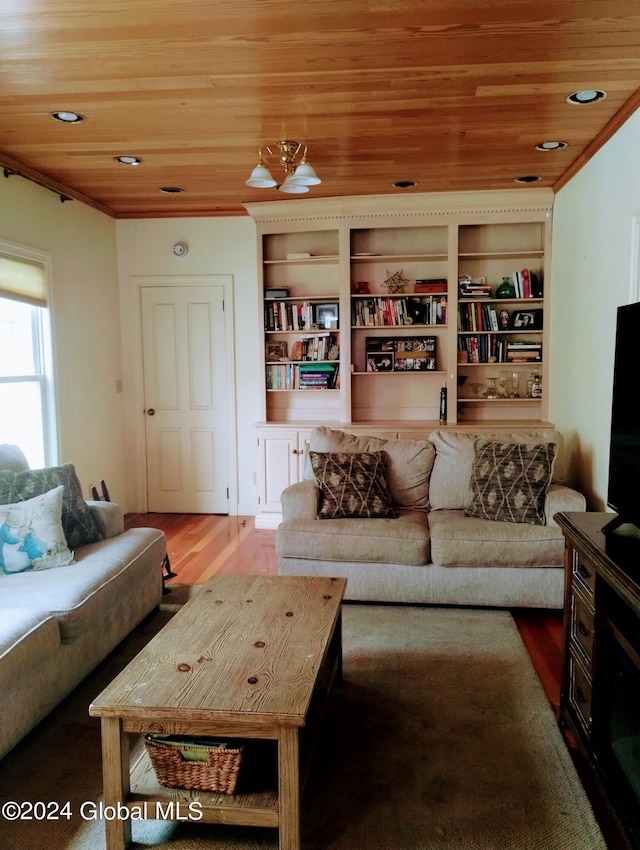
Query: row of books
{"points": [[323, 346], [383, 312], [524, 352], [477, 317], [302, 376], [296, 316], [468, 288], [489, 348], [526, 284]]}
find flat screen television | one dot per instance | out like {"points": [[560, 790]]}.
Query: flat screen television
{"points": [[624, 453]]}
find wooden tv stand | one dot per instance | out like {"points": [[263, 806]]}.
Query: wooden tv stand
{"points": [[602, 605]]}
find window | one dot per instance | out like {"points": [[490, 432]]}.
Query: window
{"points": [[26, 395]]}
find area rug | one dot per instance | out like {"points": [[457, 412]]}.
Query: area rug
{"points": [[440, 738]]}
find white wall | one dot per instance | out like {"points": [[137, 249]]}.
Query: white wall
{"points": [[593, 263], [86, 323], [217, 246]]}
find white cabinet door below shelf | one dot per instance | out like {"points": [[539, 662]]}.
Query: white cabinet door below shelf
{"points": [[282, 459]]}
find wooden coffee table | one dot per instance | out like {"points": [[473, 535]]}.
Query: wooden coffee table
{"points": [[248, 657]]}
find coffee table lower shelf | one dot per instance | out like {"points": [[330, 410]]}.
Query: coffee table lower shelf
{"points": [[259, 808]]}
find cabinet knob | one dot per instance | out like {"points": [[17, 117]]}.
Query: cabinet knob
{"points": [[151, 412], [584, 631]]}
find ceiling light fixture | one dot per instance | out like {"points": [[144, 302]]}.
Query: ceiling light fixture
{"points": [[551, 146], [299, 173], [580, 98], [67, 117], [527, 178], [171, 190], [404, 184], [128, 160]]}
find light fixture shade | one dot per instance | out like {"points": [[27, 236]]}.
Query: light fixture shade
{"points": [[292, 187], [261, 178], [298, 173], [306, 175]]}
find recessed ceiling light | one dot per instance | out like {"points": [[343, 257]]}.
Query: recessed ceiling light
{"points": [[586, 96], [67, 117], [128, 160], [551, 146], [405, 184], [171, 190], [527, 178]]}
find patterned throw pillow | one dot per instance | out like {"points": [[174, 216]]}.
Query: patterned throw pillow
{"points": [[509, 481], [31, 536], [77, 520], [352, 484]]}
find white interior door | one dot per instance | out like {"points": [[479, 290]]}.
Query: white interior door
{"points": [[186, 404]]}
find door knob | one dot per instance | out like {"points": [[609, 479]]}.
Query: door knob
{"points": [[151, 412]]}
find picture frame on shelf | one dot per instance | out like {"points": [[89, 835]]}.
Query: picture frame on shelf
{"points": [[380, 361], [407, 354], [327, 316], [526, 320], [276, 350]]}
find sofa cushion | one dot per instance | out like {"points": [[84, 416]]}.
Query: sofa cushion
{"points": [[461, 541], [509, 481], [12, 458], [404, 540], [102, 583], [352, 484], [450, 483], [31, 535], [409, 465], [77, 520], [28, 637]]}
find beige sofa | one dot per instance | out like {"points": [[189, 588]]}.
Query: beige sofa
{"points": [[58, 623], [432, 551]]}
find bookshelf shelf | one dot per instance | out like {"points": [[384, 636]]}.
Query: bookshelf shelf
{"points": [[397, 258]]}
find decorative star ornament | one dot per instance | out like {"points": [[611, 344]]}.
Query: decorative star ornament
{"points": [[395, 282]]}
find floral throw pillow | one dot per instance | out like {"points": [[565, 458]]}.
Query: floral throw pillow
{"points": [[77, 519], [352, 484], [31, 536], [509, 481]]}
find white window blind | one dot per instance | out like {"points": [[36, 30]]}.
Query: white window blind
{"points": [[23, 280]]}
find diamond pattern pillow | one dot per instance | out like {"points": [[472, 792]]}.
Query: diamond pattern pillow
{"points": [[77, 521], [509, 481], [352, 484]]}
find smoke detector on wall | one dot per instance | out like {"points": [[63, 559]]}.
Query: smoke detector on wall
{"points": [[180, 249]]}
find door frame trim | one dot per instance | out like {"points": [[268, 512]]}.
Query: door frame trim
{"points": [[138, 283]]}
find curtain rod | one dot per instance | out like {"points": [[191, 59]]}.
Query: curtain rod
{"points": [[10, 172]]}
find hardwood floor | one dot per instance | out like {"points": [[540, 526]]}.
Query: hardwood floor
{"points": [[203, 545]]}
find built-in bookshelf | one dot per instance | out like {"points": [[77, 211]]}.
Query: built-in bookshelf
{"points": [[371, 306], [302, 333], [501, 320], [350, 292], [398, 281]]}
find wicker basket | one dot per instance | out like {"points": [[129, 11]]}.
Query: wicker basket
{"points": [[203, 766]]}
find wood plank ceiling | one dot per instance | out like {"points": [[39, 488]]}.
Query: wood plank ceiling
{"points": [[452, 94]]}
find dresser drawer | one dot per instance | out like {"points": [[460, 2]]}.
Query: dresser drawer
{"points": [[580, 692], [582, 624], [584, 574]]}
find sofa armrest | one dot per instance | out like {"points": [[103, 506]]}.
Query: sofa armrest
{"points": [[300, 501], [560, 498], [108, 517]]}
